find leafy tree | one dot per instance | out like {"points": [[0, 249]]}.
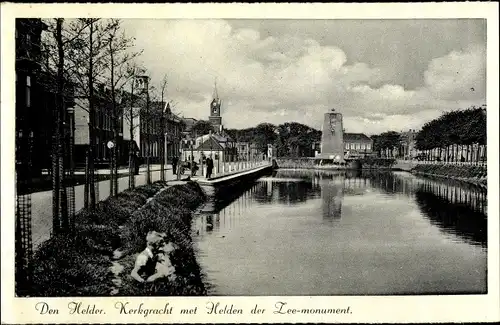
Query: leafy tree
{"points": [[201, 127], [386, 141], [264, 135], [463, 127], [290, 139]]}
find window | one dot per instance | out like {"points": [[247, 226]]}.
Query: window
{"points": [[28, 91], [363, 146], [368, 146], [98, 148]]}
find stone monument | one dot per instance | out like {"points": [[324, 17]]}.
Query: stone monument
{"points": [[332, 138]]}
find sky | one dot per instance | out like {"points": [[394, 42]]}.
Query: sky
{"points": [[380, 74]]}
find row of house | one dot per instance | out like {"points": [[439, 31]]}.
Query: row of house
{"points": [[35, 114], [139, 124]]}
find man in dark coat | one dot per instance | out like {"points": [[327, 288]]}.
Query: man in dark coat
{"points": [[137, 163], [175, 160], [210, 166]]}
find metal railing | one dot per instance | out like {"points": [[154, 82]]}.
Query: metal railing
{"points": [[230, 168], [435, 162]]}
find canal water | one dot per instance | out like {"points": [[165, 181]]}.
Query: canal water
{"points": [[305, 232]]}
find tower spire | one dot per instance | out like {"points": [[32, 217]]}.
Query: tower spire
{"points": [[215, 95]]}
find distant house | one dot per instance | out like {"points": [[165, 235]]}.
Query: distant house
{"points": [[357, 144], [150, 131], [221, 147]]}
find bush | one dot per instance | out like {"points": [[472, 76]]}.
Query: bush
{"points": [[374, 162], [454, 171], [77, 264], [65, 266]]}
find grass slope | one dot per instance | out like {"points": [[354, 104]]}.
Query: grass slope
{"points": [[78, 264]]}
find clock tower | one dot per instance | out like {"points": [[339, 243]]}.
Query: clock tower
{"points": [[215, 106]]}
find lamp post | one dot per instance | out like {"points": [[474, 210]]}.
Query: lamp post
{"points": [[191, 164], [87, 176], [144, 83], [164, 146], [71, 163]]}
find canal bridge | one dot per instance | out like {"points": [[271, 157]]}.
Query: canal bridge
{"points": [[231, 174]]}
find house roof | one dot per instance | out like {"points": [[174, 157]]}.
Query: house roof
{"points": [[356, 137], [210, 144]]}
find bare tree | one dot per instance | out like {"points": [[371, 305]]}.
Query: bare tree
{"points": [[86, 68], [131, 115], [163, 121], [54, 47], [120, 57]]}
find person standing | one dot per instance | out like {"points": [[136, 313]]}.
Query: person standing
{"points": [[137, 163], [210, 166], [174, 164]]}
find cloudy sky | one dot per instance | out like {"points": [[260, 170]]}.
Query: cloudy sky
{"points": [[381, 74]]}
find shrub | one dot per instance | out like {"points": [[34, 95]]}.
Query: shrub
{"points": [[77, 264], [64, 266]]}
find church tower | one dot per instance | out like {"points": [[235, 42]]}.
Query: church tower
{"points": [[215, 106]]}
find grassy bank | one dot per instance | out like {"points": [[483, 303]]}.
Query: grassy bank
{"points": [[476, 175], [377, 163], [294, 163], [78, 264], [309, 163]]}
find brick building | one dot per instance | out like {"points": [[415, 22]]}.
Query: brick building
{"points": [[103, 128], [357, 144], [36, 96]]}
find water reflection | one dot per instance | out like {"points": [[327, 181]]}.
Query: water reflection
{"points": [[459, 209], [456, 219], [344, 233]]}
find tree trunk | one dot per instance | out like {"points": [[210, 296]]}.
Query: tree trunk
{"points": [[86, 186], [114, 126], [59, 204], [91, 176], [131, 154], [148, 137]]}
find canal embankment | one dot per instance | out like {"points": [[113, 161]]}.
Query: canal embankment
{"points": [[311, 163], [472, 174], [97, 257]]}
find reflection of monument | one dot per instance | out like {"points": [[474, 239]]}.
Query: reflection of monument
{"points": [[332, 138], [332, 193]]}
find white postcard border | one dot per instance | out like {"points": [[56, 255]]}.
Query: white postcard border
{"points": [[369, 309]]}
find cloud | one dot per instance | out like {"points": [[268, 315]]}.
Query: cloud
{"points": [[265, 77], [458, 75]]}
